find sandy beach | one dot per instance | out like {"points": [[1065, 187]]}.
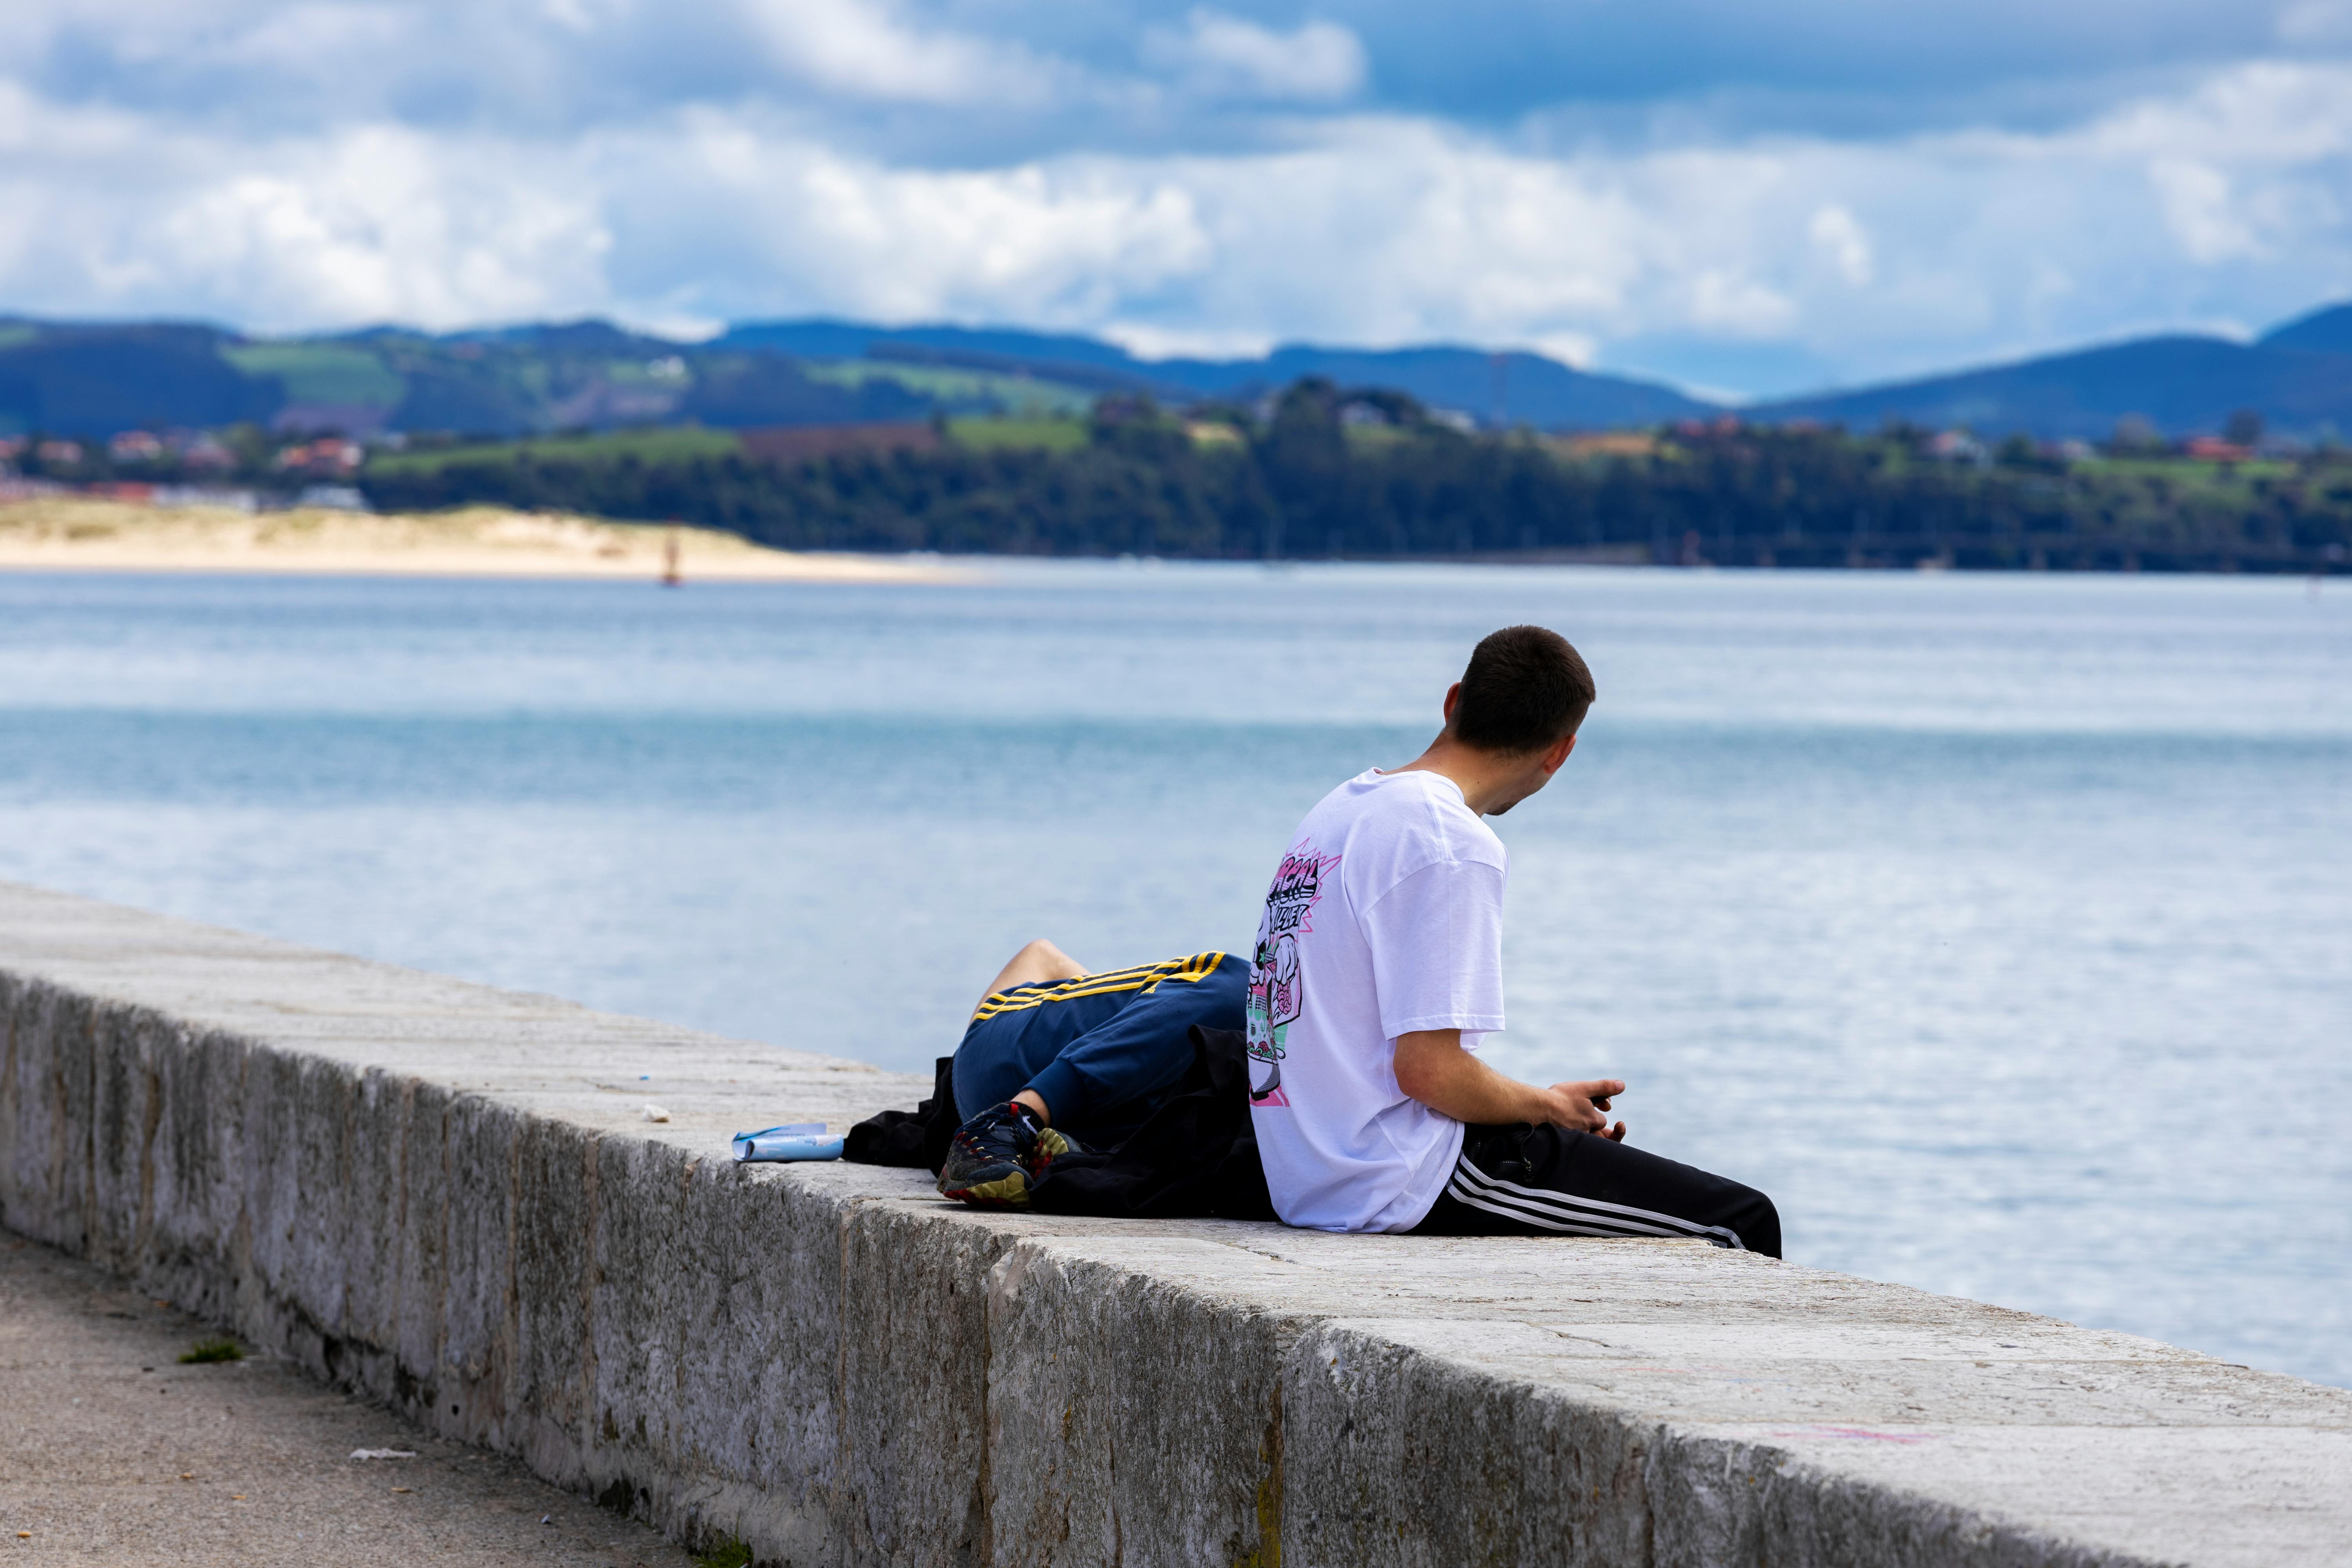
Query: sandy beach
{"points": [[76, 534]]}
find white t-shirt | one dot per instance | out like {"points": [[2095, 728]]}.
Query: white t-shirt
{"points": [[1385, 917]]}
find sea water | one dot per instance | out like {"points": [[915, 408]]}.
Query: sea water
{"points": [[2000, 927]]}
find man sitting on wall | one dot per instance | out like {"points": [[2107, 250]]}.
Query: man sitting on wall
{"points": [[1378, 970], [1056, 1057]]}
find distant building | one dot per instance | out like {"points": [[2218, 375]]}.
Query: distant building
{"points": [[2214, 449], [205, 454], [1700, 429], [1957, 446], [135, 446], [329, 456], [1606, 444], [63, 452]]}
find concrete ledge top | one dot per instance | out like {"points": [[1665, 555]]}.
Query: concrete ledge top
{"points": [[2105, 1448]]}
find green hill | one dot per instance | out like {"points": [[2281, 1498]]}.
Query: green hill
{"points": [[96, 380]]}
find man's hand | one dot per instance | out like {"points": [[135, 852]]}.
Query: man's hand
{"points": [[1578, 1106]]}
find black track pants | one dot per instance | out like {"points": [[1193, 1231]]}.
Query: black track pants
{"points": [[1544, 1181]]}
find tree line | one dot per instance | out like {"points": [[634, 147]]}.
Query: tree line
{"points": [[1369, 475]]}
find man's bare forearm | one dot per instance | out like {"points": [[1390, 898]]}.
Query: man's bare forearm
{"points": [[1432, 1067]]}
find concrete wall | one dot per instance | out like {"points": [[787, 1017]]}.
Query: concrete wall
{"points": [[446, 1197]]}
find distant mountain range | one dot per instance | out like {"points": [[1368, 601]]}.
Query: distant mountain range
{"points": [[2298, 377], [1503, 388], [93, 379]]}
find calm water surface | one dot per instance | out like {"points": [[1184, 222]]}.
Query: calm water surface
{"points": [[1997, 926]]}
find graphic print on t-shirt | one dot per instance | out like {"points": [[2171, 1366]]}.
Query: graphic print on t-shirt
{"points": [[1275, 990]]}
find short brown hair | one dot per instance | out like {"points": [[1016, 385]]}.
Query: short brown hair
{"points": [[1525, 689]]}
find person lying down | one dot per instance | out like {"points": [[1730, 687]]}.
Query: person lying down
{"points": [[1058, 1057]]}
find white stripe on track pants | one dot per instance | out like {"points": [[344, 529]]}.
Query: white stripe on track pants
{"points": [[1545, 1181]]}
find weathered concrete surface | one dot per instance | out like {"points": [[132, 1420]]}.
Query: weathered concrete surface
{"points": [[443, 1197], [111, 1452]]}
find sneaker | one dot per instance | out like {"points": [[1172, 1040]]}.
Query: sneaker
{"points": [[990, 1157]]}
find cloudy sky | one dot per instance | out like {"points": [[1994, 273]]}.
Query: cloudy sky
{"points": [[1742, 198]]}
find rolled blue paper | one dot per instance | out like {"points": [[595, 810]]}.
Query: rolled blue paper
{"points": [[795, 1140]]}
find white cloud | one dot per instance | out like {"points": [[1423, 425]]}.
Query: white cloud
{"points": [[1842, 240], [1722, 299], [737, 199], [2267, 112], [376, 224], [859, 49], [295, 37], [1854, 257], [1145, 341], [584, 15], [1569, 347], [1217, 54], [2198, 212]]}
